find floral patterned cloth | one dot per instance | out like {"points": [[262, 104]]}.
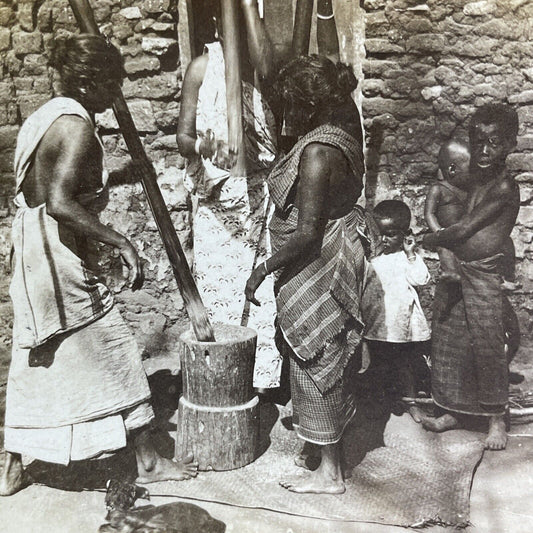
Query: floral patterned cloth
{"points": [[229, 217]]}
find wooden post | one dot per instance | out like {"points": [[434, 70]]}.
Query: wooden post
{"points": [[218, 418], [230, 28], [146, 172], [185, 28], [302, 27]]}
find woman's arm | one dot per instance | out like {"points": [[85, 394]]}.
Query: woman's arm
{"points": [[430, 207], [73, 153], [186, 135], [326, 31], [312, 192], [502, 196], [259, 44]]}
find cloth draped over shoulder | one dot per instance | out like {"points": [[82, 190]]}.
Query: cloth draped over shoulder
{"points": [[318, 301], [48, 276], [469, 364], [259, 127], [76, 381]]}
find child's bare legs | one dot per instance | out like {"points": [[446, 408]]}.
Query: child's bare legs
{"points": [[14, 477], [448, 265], [442, 423]]}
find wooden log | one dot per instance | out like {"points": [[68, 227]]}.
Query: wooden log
{"points": [[148, 176], [302, 27], [218, 374], [221, 438], [230, 29]]}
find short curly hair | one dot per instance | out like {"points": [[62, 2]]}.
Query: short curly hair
{"points": [[396, 210], [313, 81], [85, 59], [503, 115]]}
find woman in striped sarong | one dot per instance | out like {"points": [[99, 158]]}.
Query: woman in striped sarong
{"points": [[318, 235]]}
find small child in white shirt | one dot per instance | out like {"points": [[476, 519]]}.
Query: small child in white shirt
{"points": [[394, 320]]}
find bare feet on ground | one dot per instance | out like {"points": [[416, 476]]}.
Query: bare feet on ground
{"points": [[167, 470], [13, 477], [315, 482], [309, 457], [440, 424], [497, 435]]}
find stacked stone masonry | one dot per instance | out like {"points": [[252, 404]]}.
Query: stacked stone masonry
{"points": [[427, 66]]}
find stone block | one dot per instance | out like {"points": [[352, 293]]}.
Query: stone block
{"points": [[164, 85], [525, 216], [372, 5], [25, 16], [375, 23], [131, 13], [35, 65], [525, 115], [166, 115], [524, 142], [141, 112], [155, 7], [487, 89], [524, 177], [30, 102], [142, 64], [27, 43], [445, 75], [157, 45], [42, 85], [382, 46], [163, 27], [5, 38], [525, 97], [478, 9], [430, 93], [7, 16], [8, 137], [499, 29], [426, 42], [526, 195], [44, 18], [482, 47], [528, 73], [6, 92], [23, 85], [375, 68], [372, 87], [122, 32], [522, 162]]}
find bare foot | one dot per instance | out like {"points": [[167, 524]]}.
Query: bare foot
{"points": [[309, 458], [497, 436], [440, 424], [450, 277], [417, 414], [14, 478], [315, 483], [167, 470]]}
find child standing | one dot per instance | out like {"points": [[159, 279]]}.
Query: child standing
{"points": [[395, 324]]}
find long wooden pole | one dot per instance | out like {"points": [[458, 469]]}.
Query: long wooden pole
{"points": [[230, 29], [146, 171], [302, 27]]}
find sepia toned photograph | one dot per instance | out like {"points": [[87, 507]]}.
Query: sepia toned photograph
{"points": [[266, 266]]}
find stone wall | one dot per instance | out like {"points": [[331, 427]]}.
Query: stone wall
{"points": [[145, 32], [428, 66]]}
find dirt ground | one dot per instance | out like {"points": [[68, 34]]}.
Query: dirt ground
{"points": [[500, 498]]}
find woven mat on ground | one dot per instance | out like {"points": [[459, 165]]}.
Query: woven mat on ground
{"points": [[397, 473]]}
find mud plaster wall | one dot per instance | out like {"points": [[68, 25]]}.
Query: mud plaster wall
{"points": [[427, 67]]}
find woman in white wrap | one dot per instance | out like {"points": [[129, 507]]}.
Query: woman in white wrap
{"points": [[229, 213], [76, 385]]}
